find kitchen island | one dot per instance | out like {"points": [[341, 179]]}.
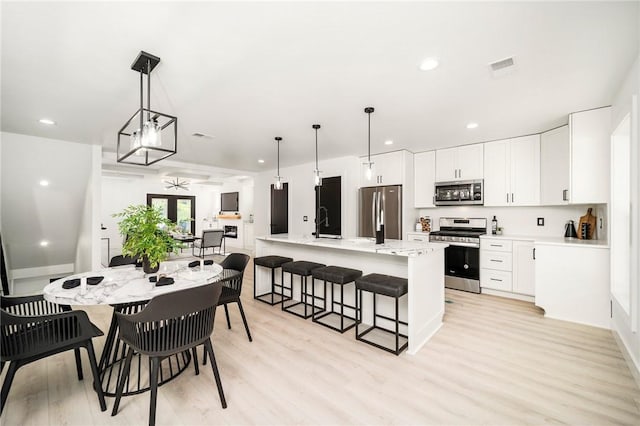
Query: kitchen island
{"points": [[420, 262]]}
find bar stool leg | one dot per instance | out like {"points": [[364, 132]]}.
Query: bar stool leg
{"points": [[341, 304], [397, 328]]}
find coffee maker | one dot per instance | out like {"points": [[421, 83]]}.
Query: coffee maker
{"points": [[570, 230]]}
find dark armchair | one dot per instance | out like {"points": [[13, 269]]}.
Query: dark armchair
{"points": [[211, 238], [233, 266], [33, 328]]}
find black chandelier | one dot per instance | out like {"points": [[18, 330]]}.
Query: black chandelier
{"points": [[148, 136]]}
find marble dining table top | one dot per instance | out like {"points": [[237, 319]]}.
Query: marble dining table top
{"points": [[125, 284]]}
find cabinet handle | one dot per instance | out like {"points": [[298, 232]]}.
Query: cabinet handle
{"points": [[534, 253], [495, 260], [459, 173], [512, 197], [565, 193], [495, 245], [507, 197], [495, 279]]}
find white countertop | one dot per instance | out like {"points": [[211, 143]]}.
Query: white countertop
{"points": [[367, 245], [560, 241]]}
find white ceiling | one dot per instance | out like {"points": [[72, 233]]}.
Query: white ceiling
{"points": [[246, 72]]}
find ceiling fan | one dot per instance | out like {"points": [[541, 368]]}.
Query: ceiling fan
{"points": [[177, 184]]}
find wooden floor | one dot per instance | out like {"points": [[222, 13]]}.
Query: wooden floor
{"points": [[495, 361]]}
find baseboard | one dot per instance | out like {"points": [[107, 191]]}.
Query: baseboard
{"points": [[41, 271], [631, 363], [508, 295]]}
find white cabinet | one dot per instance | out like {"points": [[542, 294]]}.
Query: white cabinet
{"points": [[523, 268], [574, 160], [388, 169], [424, 178], [507, 265], [572, 283], [512, 172], [460, 163], [554, 167], [422, 237]]}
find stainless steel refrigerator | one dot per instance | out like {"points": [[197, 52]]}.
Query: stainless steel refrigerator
{"points": [[380, 205]]}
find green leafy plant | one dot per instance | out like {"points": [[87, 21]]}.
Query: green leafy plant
{"points": [[146, 234]]}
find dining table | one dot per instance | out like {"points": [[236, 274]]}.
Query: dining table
{"points": [[128, 290]]}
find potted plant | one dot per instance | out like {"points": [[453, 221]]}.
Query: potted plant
{"points": [[146, 235]]}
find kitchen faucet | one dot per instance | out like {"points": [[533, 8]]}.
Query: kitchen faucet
{"points": [[324, 221]]}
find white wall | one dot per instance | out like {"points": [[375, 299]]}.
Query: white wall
{"points": [[523, 220], [119, 193], [301, 195], [627, 326]]}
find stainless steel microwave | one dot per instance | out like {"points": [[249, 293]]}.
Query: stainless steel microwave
{"points": [[462, 192]]}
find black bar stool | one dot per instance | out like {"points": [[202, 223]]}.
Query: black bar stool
{"points": [[304, 270], [334, 275], [273, 263], [385, 285]]}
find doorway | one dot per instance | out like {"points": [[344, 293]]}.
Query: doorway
{"points": [[180, 209], [280, 209]]}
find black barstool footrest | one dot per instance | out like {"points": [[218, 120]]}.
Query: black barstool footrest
{"points": [[304, 270], [290, 309], [321, 318], [335, 276]]}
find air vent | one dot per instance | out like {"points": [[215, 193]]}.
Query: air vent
{"points": [[202, 135], [502, 67]]}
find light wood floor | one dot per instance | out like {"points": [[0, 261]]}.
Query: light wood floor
{"points": [[495, 361]]}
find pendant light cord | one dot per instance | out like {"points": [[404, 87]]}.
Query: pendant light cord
{"points": [[369, 143], [148, 90], [316, 149]]}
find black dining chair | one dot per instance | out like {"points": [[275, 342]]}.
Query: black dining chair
{"points": [[170, 324], [234, 266], [33, 329]]}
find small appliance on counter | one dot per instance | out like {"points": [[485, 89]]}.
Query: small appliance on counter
{"points": [[570, 230]]}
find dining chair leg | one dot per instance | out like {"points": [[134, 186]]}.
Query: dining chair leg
{"points": [[155, 364], [226, 312], [123, 379], [204, 355], [195, 360], [244, 320], [11, 372], [97, 385], [216, 373], [76, 351]]}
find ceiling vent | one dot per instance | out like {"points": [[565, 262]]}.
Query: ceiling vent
{"points": [[502, 67]]}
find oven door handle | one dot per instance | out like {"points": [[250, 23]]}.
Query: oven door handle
{"points": [[456, 244]]}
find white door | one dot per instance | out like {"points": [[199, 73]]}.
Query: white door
{"points": [[523, 268], [470, 162], [525, 171], [496, 175], [446, 169], [424, 178], [554, 167]]}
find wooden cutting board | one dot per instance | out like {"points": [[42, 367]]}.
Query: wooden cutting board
{"points": [[591, 220]]}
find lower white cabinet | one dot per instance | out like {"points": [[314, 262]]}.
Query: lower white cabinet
{"points": [[418, 236], [507, 265], [572, 283]]}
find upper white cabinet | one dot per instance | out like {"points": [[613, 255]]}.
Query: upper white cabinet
{"points": [[459, 163], [388, 169], [554, 166], [512, 172], [574, 161], [424, 178]]}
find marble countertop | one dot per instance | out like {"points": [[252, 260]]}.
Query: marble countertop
{"points": [[367, 245], [560, 241], [126, 284]]}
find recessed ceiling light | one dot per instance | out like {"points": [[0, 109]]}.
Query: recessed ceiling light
{"points": [[472, 125], [44, 182], [389, 142], [261, 161], [47, 121], [44, 243], [429, 64]]}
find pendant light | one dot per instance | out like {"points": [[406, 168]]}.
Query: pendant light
{"points": [[149, 136], [369, 169], [317, 180], [278, 184]]}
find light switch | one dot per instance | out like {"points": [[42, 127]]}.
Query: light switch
{"points": [[305, 219]]}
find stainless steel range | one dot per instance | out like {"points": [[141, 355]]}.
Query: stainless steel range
{"points": [[462, 257]]}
